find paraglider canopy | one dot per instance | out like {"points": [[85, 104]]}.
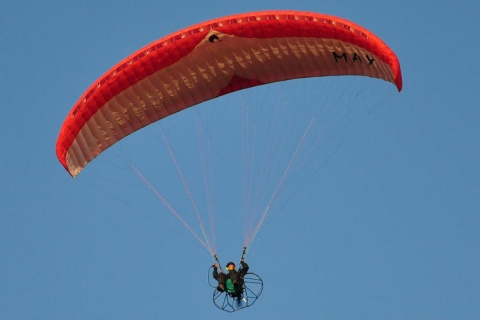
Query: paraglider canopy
{"points": [[211, 59]]}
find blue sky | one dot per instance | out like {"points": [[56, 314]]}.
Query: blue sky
{"points": [[381, 222]]}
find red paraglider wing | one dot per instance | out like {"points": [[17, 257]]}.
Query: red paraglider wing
{"points": [[211, 59]]}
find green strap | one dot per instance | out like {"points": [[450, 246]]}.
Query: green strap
{"points": [[230, 286]]}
